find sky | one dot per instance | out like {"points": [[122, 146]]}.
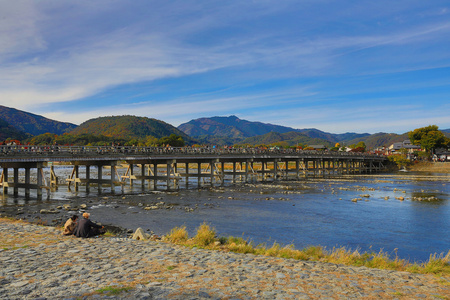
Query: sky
{"points": [[338, 66]]}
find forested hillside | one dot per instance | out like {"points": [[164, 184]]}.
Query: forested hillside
{"points": [[128, 127], [31, 123], [9, 132]]}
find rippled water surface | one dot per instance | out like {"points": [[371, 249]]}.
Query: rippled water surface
{"points": [[305, 212]]}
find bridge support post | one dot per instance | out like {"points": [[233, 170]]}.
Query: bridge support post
{"points": [[27, 182], [113, 177], [39, 181], [5, 180], [131, 167], [275, 169], [155, 176], [143, 174], [16, 179], [99, 177], [187, 174], [246, 171], [199, 172], [222, 178], [88, 178], [53, 178]]}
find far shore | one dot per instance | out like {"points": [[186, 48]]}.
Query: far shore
{"points": [[435, 167]]}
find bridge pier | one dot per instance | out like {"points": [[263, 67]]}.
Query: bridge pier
{"points": [[76, 179], [27, 185]]}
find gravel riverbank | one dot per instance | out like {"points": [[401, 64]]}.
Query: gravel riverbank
{"points": [[36, 262]]}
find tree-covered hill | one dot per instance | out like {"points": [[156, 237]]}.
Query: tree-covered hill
{"points": [[9, 132], [31, 123], [128, 127]]}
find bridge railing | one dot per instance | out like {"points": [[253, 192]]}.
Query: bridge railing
{"points": [[89, 151]]}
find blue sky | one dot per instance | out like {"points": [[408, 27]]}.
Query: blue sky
{"points": [[338, 66]]}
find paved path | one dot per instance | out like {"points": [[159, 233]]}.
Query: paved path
{"points": [[36, 262]]}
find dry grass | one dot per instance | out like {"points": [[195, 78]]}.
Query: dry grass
{"points": [[205, 238], [178, 235], [436, 264], [205, 235]]}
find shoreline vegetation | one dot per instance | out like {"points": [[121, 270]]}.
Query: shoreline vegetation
{"points": [[205, 238], [437, 264]]}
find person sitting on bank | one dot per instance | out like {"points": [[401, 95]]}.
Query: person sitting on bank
{"points": [[70, 225], [86, 228]]}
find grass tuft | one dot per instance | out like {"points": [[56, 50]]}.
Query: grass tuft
{"points": [[178, 235], [110, 233], [205, 235]]}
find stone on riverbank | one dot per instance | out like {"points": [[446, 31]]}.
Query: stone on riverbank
{"points": [[140, 234], [49, 211]]}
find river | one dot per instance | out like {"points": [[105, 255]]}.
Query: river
{"points": [[404, 214]]}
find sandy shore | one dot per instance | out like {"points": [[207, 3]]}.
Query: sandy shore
{"points": [[36, 262]]}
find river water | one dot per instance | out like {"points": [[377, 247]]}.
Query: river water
{"points": [[313, 211]]}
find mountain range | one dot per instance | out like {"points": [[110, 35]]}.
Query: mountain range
{"points": [[229, 130], [29, 123], [232, 130]]}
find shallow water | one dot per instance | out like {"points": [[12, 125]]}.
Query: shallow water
{"points": [[302, 213]]}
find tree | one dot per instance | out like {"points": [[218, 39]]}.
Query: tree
{"points": [[172, 140], [429, 138], [400, 160], [361, 145]]}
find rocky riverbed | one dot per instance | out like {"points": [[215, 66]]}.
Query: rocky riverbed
{"points": [[37, 262]]}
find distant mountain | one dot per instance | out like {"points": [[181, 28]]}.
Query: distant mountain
{"points": [[446, 132], [31, 123], [292, 138], [128, 127], [331, 137], [231, 130], [380, 139], [231, 127], [9, 132]]}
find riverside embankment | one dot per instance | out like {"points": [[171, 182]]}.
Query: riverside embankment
{"points": [[36, 262], [430, 167]]}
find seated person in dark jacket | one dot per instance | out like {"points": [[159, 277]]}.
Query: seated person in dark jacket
{"points": [[86, 228]]}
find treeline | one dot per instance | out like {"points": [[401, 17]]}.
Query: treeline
{"points": [[102, 140], [359, 147]]}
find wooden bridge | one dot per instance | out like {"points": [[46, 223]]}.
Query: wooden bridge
{"points": [[170, 166]]}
